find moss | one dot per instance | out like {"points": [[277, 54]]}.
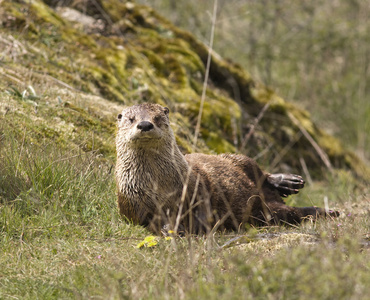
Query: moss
{"points": [[115, 9], [330, 144], [139, 56], [14, 19], [183, 145], [45, 14], [216, 143], [353, 163], [190, 59], [155, 60], [304, 120], [225, 75], [75, 39]]}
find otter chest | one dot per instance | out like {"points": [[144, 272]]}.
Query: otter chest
{"points": [[150, 182]]}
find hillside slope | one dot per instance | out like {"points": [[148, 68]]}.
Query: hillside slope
{"points": [[67, 71]]}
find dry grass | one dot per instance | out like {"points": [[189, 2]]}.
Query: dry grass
{"points": [[61, 236]]}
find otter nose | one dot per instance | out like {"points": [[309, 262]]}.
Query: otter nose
{"points": [[145, 126]]}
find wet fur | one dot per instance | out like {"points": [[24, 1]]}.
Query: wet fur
{"points": [[160, 187]]}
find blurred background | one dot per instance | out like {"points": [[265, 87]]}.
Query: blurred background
{"points": [[313, 53]]}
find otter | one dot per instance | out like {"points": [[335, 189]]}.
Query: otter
{"points": [[163, 189]]}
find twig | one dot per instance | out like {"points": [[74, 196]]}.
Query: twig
{"points": [[20, 153], [206, 76], [285, 150], [59, 81], [324, 157], [255, 123], [305, 170]]}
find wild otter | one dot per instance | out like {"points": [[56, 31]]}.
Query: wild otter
{"points": [[161, 188]]}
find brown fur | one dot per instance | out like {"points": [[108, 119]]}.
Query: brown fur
{"points": [[158, 186]]}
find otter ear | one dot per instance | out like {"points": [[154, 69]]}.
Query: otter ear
{"points": [[119, 117], [166, 110]]}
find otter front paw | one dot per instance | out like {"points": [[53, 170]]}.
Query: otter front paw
{"points": [[286, 184]]}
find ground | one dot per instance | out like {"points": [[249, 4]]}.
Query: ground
{"points": [[62, 84]]}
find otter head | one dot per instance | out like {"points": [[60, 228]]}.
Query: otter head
{"points": [[144, 124]]}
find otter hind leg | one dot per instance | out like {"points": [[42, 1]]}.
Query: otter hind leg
{"points": [[317, 212], [286, 184], [282, 213]]}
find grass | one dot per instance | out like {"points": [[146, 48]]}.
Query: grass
{"points": [[61, 238]]}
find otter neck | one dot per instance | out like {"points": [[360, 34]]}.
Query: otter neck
{"points": [[162, 162]]}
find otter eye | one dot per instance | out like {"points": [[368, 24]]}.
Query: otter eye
{"points": [[157, 118], [132, 119]]}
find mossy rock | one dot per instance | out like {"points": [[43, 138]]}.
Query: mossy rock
{"points": [[125, 54]]}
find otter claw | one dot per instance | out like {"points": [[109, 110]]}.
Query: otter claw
{"points": [[286, 184]]}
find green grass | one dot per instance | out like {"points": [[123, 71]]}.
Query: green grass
{"points": [[61, 238]]}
